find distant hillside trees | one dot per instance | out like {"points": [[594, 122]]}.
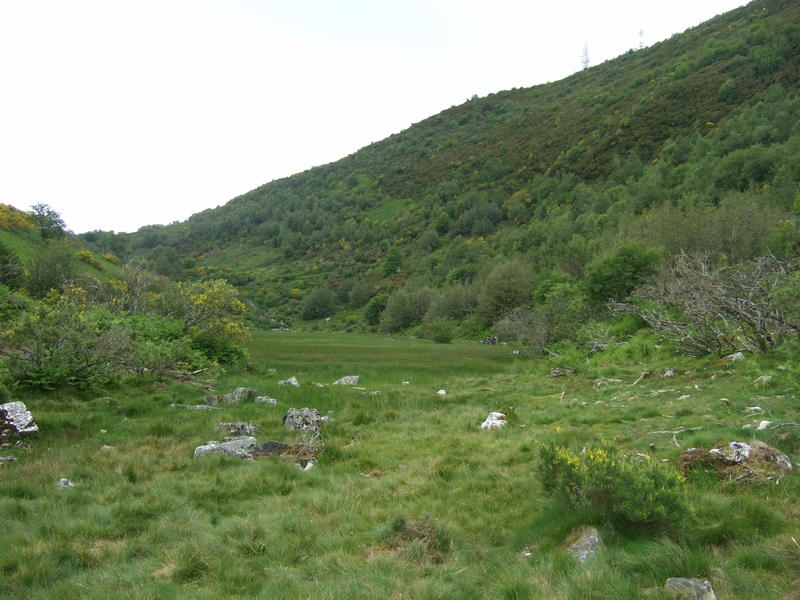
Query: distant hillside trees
{"points": [[48, 221]]}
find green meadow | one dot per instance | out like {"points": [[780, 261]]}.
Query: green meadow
{"points": [[410, 498]]}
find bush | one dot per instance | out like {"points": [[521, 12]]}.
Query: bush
{"points": [[623, 489], [375, 308], [52, 267], [617, 275], [320, 303], [65, 341], [441, 331], [506, 287], [405, 308], [88, 258]]}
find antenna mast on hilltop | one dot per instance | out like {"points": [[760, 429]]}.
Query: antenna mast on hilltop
{"points": [[585, 56]]}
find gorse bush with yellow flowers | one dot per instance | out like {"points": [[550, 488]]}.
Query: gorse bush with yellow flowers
{"points": [[629, 490]]}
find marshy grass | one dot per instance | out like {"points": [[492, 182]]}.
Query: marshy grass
{"points": [[410, 498]]}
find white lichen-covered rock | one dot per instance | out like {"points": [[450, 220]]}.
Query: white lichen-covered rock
{"points": [[586, 546], [266, 400], [66, 483], [692, 589], [238, 447], [495, 420], [194, 406], [734, 357], [16, 419], [441, 393], [303, 419], [292, 382], [764, 425], [762, 379], [347, 380]]}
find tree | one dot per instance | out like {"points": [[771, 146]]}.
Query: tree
{"points": [[614, 277], [320, 303], [49, 222], [506, 287]]}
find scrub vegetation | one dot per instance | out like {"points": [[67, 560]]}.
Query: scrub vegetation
{"points": [[611, 261]]}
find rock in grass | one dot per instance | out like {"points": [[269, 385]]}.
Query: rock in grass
{"points": [[495, 420], [347, 380], [238, 428], [762, 379], [16, 419], [303, 419], [66, 483], [194, 406], [239, 395], [266, 400], [691, 588], [292, 381], [586, 546], [7, 459], [238, 447]]}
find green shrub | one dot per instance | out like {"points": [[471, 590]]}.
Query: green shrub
{"points": [[623, 489], [375, 307], [65, 341], [441, 331], [320, 303]]}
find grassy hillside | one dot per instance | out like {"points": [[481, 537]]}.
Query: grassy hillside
{"points": [[556, 174], [410, 498]]}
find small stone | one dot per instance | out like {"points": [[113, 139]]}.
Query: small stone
{"points": [[692, 589], [685, 397], [748, 426], [495, 420], [266, 400], [669, 373], [194, 406], [586, 546], [106, 448], [104, 431], [16, 419], [239, 447], [239, 395], [753, 410], [764, 425], [734, 357], [292, 381], [441, 393], [347, 380], [7, 459], [66, 483], [303, 419], [406, 383], [762, 379], [307, 467]]}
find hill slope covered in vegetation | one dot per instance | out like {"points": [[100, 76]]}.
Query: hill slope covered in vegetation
{"points": [[689, 145]]}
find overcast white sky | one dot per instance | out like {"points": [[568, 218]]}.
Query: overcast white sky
{"points": [[120, 114]]}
